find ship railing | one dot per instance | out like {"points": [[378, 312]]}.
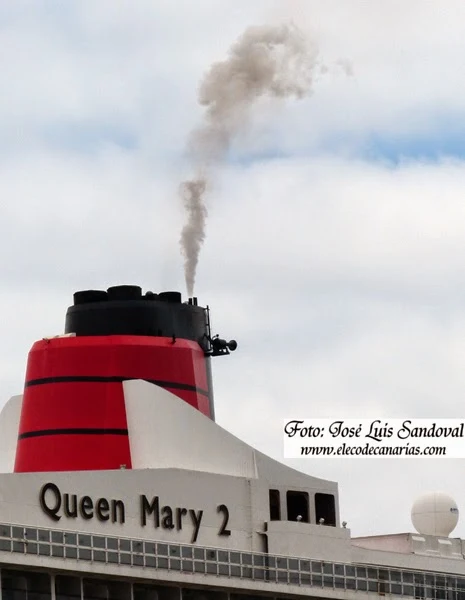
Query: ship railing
{"points": [[228, 563]]}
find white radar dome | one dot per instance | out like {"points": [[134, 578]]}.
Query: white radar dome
{"points": [[435, 513]]}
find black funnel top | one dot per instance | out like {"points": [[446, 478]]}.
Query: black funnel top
{"points": [[124, 310]]}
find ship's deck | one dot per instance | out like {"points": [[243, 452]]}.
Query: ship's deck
{"points": [[218, 568]]}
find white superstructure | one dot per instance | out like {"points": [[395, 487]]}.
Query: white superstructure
{"points": [[234, 520]]}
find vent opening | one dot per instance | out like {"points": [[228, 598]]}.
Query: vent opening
{"points": [[297, 506], [275, 506], [325, 508]]}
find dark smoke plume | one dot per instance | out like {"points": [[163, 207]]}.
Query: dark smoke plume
{"points": [[266, 62]]}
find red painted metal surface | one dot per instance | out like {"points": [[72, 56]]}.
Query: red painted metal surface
{"points": [[73, 415]]}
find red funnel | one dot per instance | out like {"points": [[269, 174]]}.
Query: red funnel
{"points": [[73, 414]]}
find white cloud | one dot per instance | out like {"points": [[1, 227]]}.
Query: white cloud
{"points": [[331, 220], [342, 280]]}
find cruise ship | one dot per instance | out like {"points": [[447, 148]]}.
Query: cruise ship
{"points": [[117, 483]]}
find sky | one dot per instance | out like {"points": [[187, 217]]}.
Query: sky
{"points": [[336, 232]]}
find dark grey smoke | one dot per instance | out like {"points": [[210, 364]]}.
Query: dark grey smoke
{"points": [[266, 61]]}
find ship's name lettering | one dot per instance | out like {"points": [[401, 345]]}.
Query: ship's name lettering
{"points": [[56, 505]]}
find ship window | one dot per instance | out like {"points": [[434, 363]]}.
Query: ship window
{"points": [[325, 509], [44, 536], [57, 537], [246, 597], [31, 534], [67, 588], [275, 505], [297, 506], [14, 585], [23, 585], [203, 594], [145, 592], [97, 589], [94, 590]]}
